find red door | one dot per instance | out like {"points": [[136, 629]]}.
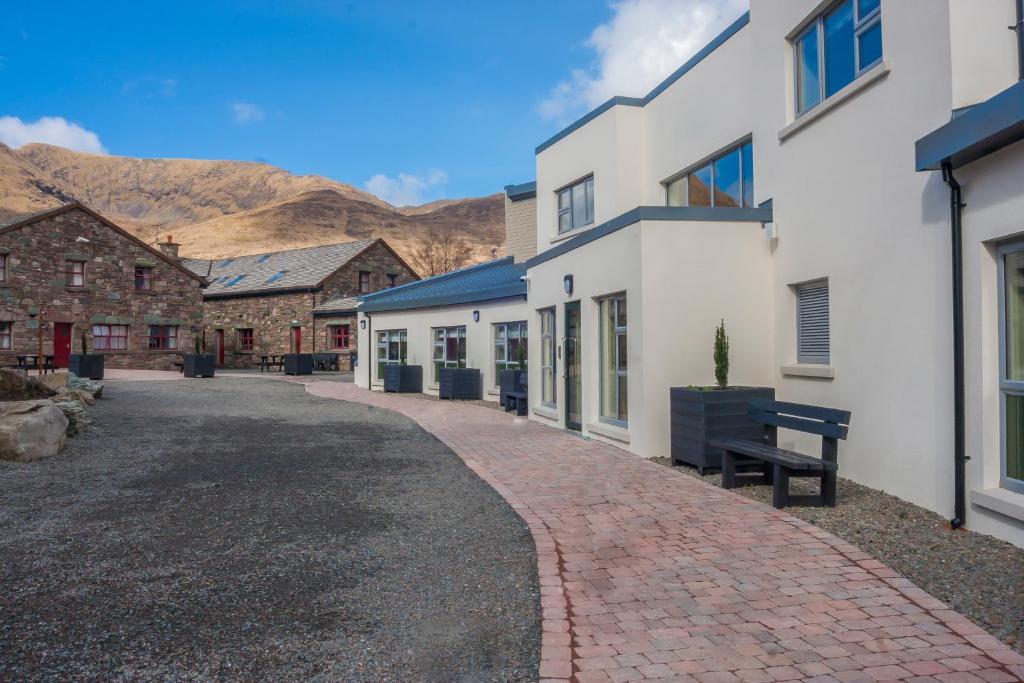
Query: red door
{"points": [[220, 347], [61, 344], [296, 340]]}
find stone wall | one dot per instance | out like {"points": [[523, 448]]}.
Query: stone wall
{"points": [[272, 317], [521, 228], [35, 295]]}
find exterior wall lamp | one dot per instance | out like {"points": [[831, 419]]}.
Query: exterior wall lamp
{"points": [[476, 316], [362, 324], [567, 281]]}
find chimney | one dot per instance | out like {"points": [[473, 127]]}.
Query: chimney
{"points": [[169, 248]]}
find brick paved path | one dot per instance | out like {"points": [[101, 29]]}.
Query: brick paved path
{"points": [[650, 574]]}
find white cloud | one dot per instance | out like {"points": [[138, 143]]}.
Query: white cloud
{"points": [[247, 112], [408, 189], [52, 130], [643, 42]]}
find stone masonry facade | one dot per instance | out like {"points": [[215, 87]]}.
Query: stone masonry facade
{"points": [[272, 317], [35, 294]]}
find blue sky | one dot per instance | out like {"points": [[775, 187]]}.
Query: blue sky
{"points": [[413, 100]]}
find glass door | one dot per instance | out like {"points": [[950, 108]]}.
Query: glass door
{"points": [[573, 384]]}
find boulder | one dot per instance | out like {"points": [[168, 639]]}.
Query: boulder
{"points": [[30, 430], [94, 388], [77, 415], [55, 381], [65, 394], [16, 386]]}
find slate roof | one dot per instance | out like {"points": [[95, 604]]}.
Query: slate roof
{"points": [[336, 304], [275, 271], [498, 279]]}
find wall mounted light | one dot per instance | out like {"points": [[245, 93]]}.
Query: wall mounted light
{"points": [[362, 324], [476, 316], [567, 281]]}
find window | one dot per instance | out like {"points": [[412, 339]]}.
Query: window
{"points": [[839, 45], [392, 279], [364, 281], [391, 349], [509, 343], [163, 337], [110, 337], [614, 396], [576, 205], [143, 279], [449, 349], [6, 334], [337, 336], [726, 180], [812, 322], [3, 267], [246, 338], [547, 356], [74, 273], [1011, 381]]}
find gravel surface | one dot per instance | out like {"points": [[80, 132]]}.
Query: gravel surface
{"points": [[242, 529], [977, 575]]}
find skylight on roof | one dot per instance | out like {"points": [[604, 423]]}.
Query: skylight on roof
{"points": [[226, 262], [263, 259], [235, 280], [276, 276]]}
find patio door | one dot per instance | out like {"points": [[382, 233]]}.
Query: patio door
{"points": [[61, 344], [573, 383]]}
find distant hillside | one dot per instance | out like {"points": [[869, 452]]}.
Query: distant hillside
{"points": [[224, 208]]}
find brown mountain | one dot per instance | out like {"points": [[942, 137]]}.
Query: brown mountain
{"points": [[225, 208]]}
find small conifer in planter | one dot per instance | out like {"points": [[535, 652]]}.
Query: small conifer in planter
{"points": [[85, 364], [199, 363]]}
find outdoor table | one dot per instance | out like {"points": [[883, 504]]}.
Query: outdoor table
{"points": [[270, 359], [30, 361]]}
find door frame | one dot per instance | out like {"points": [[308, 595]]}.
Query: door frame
{"points": [[70, 327], [573, 385]]}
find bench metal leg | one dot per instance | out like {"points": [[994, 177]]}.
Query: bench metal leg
{"points": [[780, 488], [769, 473], [728, 470], [828, 488]]}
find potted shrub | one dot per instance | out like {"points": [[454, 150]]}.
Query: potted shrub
{"points": [[403, 379], [198, 364], [513, 380], [461, 384], [85, 364], [298, 364], [703, 413]]}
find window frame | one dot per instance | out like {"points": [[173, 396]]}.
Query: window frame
{"points": [[398, 335], [146, 278], [547, 338], [587, 182], [245, 339], [70, 272], [509, 363], [369, 285], [6, 335], [709, 161], [105, 342], [461, 351], [861, 25], [811, 358], [335, 336], [166, 339], [3, 267], [1006, 386], [620, 374], [392, 280]]}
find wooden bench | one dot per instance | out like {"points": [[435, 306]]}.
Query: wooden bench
{"points": [[325, 361], [517, 401], [778, 464]]}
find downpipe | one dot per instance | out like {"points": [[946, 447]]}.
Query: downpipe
{"points": [[1019, 28], [369, 348], [956, 210]]}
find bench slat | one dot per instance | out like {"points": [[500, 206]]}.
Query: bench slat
{"points": [[834, 431], [773, 454], [833, 415]]}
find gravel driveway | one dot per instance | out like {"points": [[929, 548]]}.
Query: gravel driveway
{"points": [[241, 529]]}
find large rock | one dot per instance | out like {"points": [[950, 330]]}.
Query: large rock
{"points": [[16, 386], [77, 415], [91, 386], [54, 381], [30, 430]]}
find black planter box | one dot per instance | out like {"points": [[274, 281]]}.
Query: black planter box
{"points": [[460, 384], [700, 415], [197, 366], [89, 365], [511, 380], [403, 379], [298, 364]]}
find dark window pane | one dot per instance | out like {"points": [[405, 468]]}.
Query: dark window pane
{"points": [[866, 7], [727, 179], [747, 151], [1015, 437], [700, 187], [871, 45], [579, 205], [839, 67], [590, 200], [808, 70]]}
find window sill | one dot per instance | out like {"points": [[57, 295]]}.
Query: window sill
{"points": [[572, 233], [608, 431], [492, 392], [1003, 501], [546, 412], [862, 82], [145, 292], [809, 370]]}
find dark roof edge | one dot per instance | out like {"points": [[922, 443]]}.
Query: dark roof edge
{"points": [[253, 293], [436, 278], [983, 129], [506, 291], [762, 214], [693, 61], [521, 191], [322, 312]]}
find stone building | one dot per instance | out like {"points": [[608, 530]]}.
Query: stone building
{"points": [[69, 271], [298, 300]]}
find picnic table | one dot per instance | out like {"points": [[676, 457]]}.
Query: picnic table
{"points": [[31, 361], [271, 360]]}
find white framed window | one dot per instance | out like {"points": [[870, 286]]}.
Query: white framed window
{"points": [[449, 349], [813, 343], [6, 335], [614, 387], [548, 394], [576, 205], [727, 179], [838, 45], [510, 342], [392, 346], [109, 337], [1011, 366]]}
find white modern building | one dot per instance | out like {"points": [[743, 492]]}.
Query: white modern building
{"points": [[800, 178]]}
